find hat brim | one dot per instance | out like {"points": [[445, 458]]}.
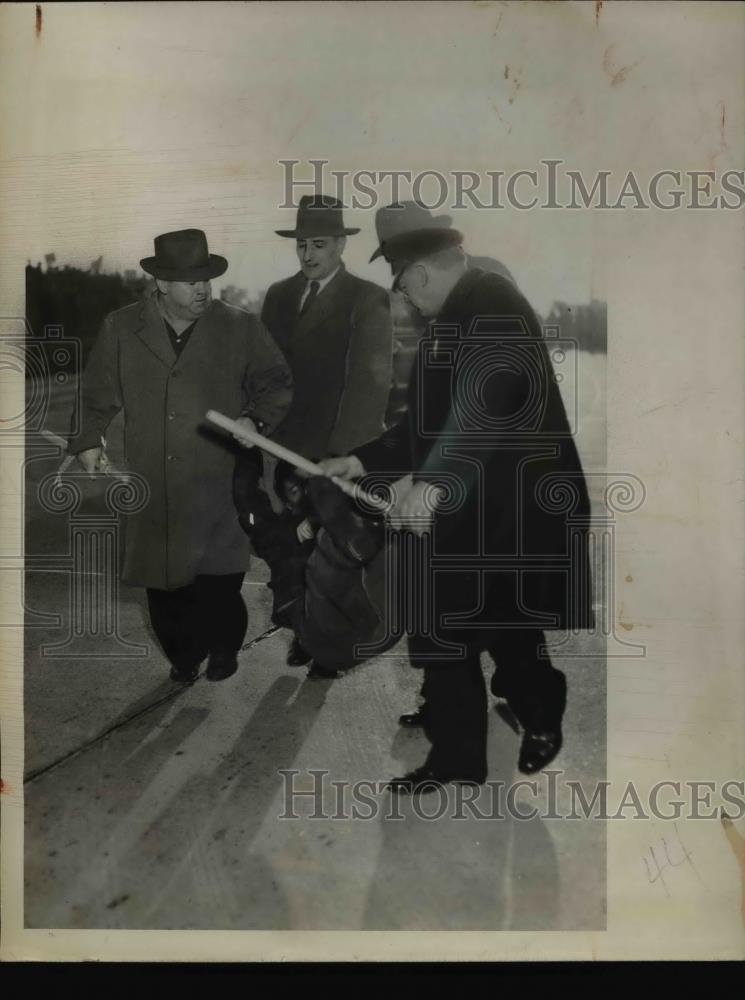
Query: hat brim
{"points": [[212, 269], [431, 238], [298, 234], [411, 248]]}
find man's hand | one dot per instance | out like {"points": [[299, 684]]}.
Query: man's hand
{"points": [[248, 423], [305, 532], [348, 467], [415, 510], [92, 460]]}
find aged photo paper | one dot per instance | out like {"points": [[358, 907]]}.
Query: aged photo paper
{"points": [[372, 462]]}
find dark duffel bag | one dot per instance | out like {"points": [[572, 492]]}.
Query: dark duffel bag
{"points": [[348, 610], [339, 594]]}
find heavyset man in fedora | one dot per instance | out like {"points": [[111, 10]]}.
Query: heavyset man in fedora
{"points": [[165, 361], [484, 417], [336, 332]]}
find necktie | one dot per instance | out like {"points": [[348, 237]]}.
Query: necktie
{"points": [[310, 297]]}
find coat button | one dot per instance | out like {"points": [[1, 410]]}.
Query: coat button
{"points": [[171, 415], [171, 458], [176, 374]]}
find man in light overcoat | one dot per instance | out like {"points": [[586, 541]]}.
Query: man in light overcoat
{"points": [[165, 362]]}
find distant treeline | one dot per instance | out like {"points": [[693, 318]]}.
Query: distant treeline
{"points": [[587, 325], [78, 300]]}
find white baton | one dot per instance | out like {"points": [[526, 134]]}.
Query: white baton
{"points": [[295, 460]]}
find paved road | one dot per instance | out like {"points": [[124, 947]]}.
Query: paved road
{"points": [[154, 806]]}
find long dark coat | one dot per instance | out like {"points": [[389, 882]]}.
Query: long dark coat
{"points": [[231, 364], [486, 416], [340, 354]]}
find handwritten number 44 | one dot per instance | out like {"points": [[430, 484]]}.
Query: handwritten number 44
{"points": [[656, 866]]}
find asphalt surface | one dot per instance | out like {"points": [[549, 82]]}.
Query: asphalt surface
{"points": [[151, 805]]}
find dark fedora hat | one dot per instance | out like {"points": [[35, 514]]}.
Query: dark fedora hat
{"points": [[408, 248], [183, 256], [406, 217], [318, 215]]}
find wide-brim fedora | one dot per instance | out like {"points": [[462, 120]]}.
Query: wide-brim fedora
{"points": [[317, 216], [409, 248], [183, 256], [402, 217]]}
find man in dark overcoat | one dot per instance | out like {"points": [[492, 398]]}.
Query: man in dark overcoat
{"points": [[165, 361], [335, 330], [488, 442]]}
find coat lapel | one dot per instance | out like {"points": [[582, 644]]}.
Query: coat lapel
{"points": [[438, 378], [152, 333], [323, 306]]}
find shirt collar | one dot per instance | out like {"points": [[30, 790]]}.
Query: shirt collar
{"points": [[322, 282]]}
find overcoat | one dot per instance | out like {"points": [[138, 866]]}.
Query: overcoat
{"points": [[485, 419], [189, 524], [340, 353]]}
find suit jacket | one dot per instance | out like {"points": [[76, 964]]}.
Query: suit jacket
{"points": [[485, 418], [340, 354], [230, 363]]}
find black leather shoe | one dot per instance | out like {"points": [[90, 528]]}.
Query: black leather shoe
{"points": [[221, 666], [538, 750], [184, 674], [425, 779], [412, 720], [317, 672], [541, 722], [297, 655]]}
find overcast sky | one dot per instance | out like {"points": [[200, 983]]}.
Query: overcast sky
{"points": [[154, 117], [149, 117]]}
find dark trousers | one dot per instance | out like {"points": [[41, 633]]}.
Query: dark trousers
{"points": [[455, 717], [455, 708], [208, 616], [533, 687]]}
